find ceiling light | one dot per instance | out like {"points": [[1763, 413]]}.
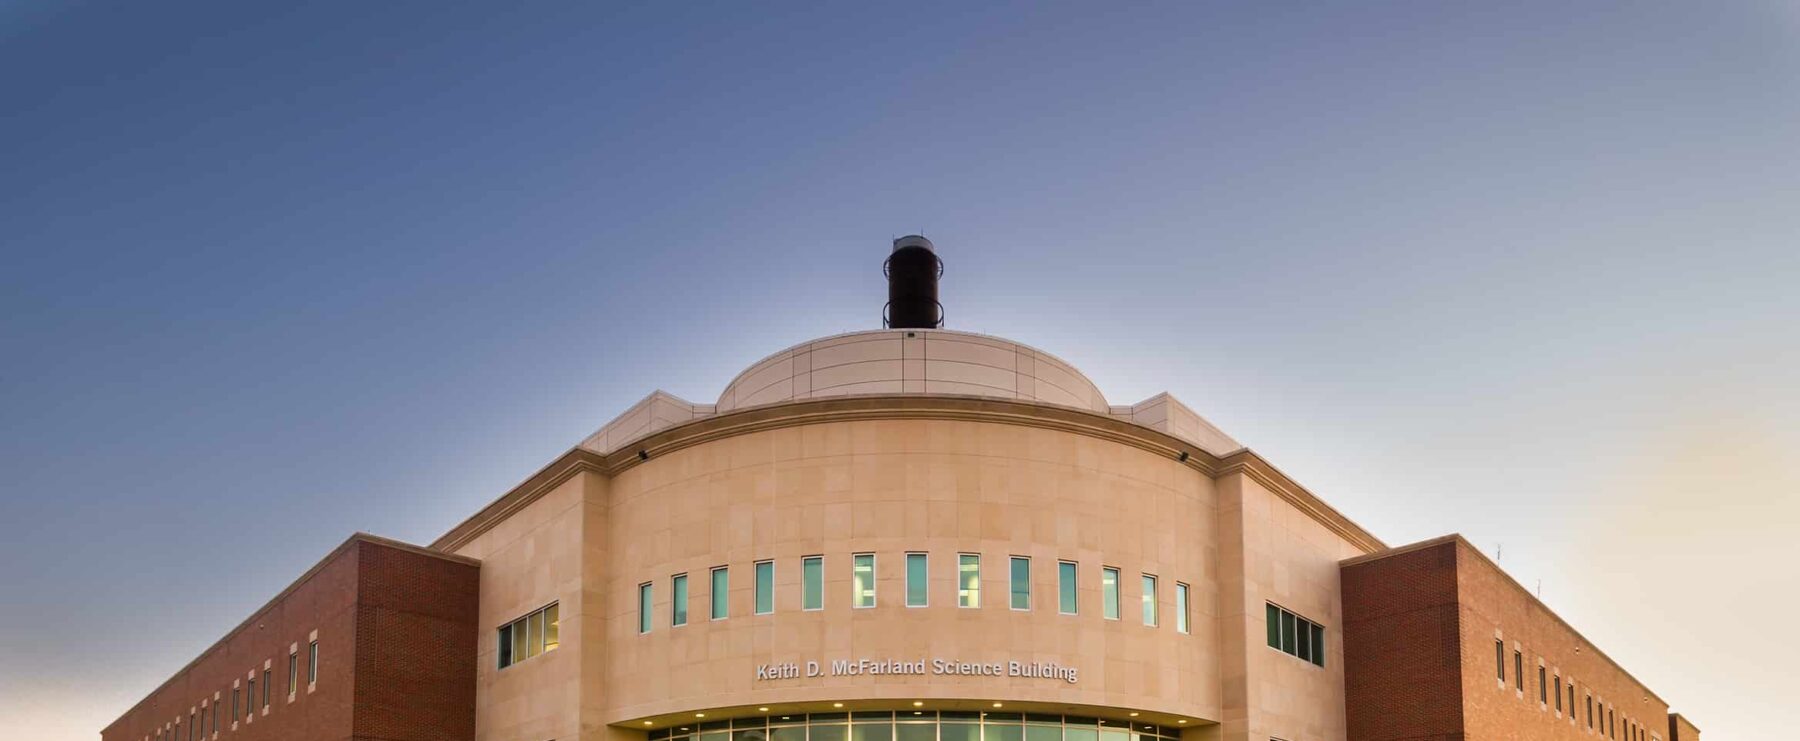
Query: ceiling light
{"points": [[918, 704], [837, 704], [699, 715], [1183, 720], [996, 704], [918, 712], [763, 709], [646, 722]]}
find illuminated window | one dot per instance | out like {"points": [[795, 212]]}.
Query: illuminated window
{"points": [[529, 636], [862, 580], [968, 580]]}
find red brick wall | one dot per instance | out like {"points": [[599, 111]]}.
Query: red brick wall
{"points": [[385, 615], [415, 657], [1402, 665], [1492, 601], [325, 601]]}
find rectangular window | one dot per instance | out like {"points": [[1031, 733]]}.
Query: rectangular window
{"points": [[268, 679], [215, 717], [1543, 689], [678, 601], [1500, 659], [1571, 699], [1519, 670], [1109, 593], [1556, 687], [721, 592], [1294, 635], [293, 672], [1066, 601], [765, 587], [250, 699], [1590, 711], [235, 693], [529, 636], [812, 583], [1148, 588], [968, 580], [1181, 607], [646, 597], [918, 580], [312, 663], [862, 580], [190, 725], [1019, 583], [1318, 642]]}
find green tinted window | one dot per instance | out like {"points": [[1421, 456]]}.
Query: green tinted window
{"points": [[1020, 583], [721, 592], [1273, 620], [1066, 601], [765, 587], [917, 580], [812, 583], [1109, 593], [862, 580], [678, 592]]}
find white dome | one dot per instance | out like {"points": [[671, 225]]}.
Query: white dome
{"points": [[900, 361]]}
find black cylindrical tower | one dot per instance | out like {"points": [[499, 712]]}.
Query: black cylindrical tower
{"points": [[912, 272]]}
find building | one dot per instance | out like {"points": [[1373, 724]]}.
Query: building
{"points": [[904, 534]]}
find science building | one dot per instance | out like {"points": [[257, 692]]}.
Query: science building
{"points": [[904, 534]]}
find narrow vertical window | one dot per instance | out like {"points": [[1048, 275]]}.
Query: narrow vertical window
{"points": [[1289, 641], [1181, 607], [1148, 587], [1590, 711], [721, 592], [1571, 699], [765, 587], [1019, 583], [1318, 642], [645, 595], [1067, 602], [235, 706], [968, 580], [1272, 621], [293, 672], [552, 627], [1519, 670], [1109, 593], [250, 699], [268, 679], [862, 580], [190, 725], [1302, 638], [918, 580], [1543, 689], [812, 583], [678, 600], [1500, 658], [312, 663], [534, 634], [1556, 687]]}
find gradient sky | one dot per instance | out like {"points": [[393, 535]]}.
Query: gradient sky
{"points": [[272, 274]]}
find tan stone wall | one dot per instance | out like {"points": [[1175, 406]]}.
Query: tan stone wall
{"points": [[892, 486], [1494, 607], [530, 559], [1270, 551]]}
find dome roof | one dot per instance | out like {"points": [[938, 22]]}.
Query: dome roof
{"points": [[926, 361]]}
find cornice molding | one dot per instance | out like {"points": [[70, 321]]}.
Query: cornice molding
{"points": [[906, 406]]}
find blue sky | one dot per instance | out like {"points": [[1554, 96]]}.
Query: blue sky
{"points": [[274, 274]]}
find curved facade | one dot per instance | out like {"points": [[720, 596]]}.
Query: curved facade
{"points": [[904, 535]]}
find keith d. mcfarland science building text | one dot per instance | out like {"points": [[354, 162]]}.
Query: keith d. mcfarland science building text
{"points": [[905, 534]]}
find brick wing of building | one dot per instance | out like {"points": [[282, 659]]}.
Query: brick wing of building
{"points": [[904, 534]]}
